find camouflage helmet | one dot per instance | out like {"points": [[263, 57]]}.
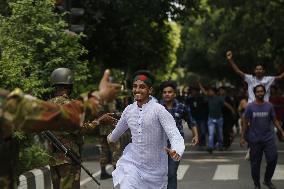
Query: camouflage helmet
{"points": [[62, 76]]}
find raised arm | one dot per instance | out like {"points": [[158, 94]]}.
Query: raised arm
{"points": [[202, 88], [233, 65], [279, 77]]}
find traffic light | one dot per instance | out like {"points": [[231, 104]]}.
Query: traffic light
{"points": [[59, 6], [75, 13]]}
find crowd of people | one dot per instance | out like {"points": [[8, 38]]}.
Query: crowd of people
{"points": [[237, 98], [155, 143], [223, 110], [206, 110]]}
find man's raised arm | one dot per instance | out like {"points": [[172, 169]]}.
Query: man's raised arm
{"points": [[230, 59], [202, 88], [279, 77]]}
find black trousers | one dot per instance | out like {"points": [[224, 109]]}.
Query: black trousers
{"points": [[256, 152]]}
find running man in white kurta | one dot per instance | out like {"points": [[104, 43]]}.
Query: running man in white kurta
{"points": [[144, 163]]}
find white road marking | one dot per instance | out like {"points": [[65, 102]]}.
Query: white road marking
{"points": [[181, 171], [223, 152], [208, 160], [226, 172], [279, 173]]}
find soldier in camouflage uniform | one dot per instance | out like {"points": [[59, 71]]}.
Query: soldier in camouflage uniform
{"points": [[26, 113], [64, 173], [113, 149]]}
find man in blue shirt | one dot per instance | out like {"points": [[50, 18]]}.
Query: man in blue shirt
{"points": [[260, 136], [180, 112]]}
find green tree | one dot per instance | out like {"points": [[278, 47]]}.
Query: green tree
{"points": [[133, 34], [251, 29], [34, 41]]}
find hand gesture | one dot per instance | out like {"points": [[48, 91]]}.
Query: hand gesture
{"points": [[174, 155], [242, 142], [107, 119], [108, 91], [229, 55]]}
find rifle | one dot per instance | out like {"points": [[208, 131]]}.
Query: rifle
{"points": [[68, 152]]}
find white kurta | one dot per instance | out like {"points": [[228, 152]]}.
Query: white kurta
{"points": [[144, 163]]}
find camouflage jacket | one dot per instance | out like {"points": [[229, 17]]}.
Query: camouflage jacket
{"points": [[19, 111], [72, 140]]}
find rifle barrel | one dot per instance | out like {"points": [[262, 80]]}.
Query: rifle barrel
{"points": [[68, 152]]}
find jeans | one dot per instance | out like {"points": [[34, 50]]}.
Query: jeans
{"points": [[202, 127], [172, 173], [212, 124]]}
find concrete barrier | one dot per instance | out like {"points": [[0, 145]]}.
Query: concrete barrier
{"points": [[40, 178], [36, 179]]}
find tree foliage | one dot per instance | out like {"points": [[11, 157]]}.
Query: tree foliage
{"points": [[253, 30], [34, 41], [133, 34]]}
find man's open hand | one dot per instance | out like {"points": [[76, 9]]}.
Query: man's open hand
{"points": [[108, 91]]}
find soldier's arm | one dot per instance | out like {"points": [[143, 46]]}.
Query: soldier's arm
{"points": [[92, 127], [89, 128], [34, 115], [24, 112]]}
